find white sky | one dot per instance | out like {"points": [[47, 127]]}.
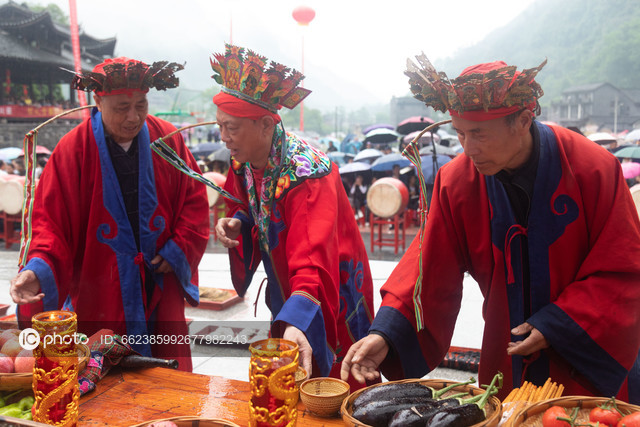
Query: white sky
{"points": [[353, 48]]}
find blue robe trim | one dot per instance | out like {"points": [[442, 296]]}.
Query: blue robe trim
{"points": [[634, 382], [178, 260], [591, 360], [402, 335], [306, 315], [121, 240], [352, 300], [47, 282]]}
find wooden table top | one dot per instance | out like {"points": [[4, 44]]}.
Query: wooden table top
{"points": [[132, 396]]}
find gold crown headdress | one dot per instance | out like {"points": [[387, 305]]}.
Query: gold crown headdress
{"points": [[247, 77], [496, 86], [121, 75]]}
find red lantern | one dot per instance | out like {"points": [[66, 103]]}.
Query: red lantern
{"points": [[303, 15]]}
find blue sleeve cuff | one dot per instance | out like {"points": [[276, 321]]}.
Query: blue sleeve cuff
{"points": [[178, 261], [575, 345], [400, 332], [47, 282], [306, 315], [241, 268]]}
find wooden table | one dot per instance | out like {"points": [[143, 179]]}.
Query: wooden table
{"points": [[132, 396]]}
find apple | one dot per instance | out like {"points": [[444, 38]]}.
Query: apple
{"points": [[11, 348], [24, 361], [6, 364], [8, 334]]}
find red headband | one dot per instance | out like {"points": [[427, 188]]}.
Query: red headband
{"points": [[119, 60], [492, 113], [239, 108]]}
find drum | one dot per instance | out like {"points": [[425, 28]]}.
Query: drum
{"points": [[387, 197], [213, 195], [11, 193]]}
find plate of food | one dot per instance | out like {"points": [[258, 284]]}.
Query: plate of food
{"points": [[406, 401]]}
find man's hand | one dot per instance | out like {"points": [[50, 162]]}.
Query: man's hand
{"points": [[294, 334], [534, 342], [363, 359], [25, 288], [163, 267], [227, 231]]}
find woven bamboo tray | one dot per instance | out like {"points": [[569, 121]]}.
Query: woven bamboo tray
{"points": [[24, 380], [191, 422], [532, 414], [493, 407]]}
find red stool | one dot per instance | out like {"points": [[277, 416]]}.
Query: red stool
{"points": [[398, 221], [11, 235]]}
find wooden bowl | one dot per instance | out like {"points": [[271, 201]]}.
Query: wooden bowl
{"points": [[532, 414], [24, 380], [323, 396], [493, 407], [301, 376], [191, 422]]}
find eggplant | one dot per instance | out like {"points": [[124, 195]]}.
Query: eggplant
{"points": [[417, 416], [457, 416]]}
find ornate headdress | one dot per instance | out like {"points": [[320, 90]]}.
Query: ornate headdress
{"points": [[124, 75], [246, 77], [481, 92]]}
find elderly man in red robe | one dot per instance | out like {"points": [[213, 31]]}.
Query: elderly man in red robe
{"points": [[294, 216], [118, 232], [541, 218]]}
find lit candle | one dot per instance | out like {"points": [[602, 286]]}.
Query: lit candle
{"points": [[55, 374]]}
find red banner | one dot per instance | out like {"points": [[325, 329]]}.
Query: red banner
{"points": [[75, 45], [28, 112]]}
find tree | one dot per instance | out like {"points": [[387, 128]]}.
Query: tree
{"points": [[57, 15]]}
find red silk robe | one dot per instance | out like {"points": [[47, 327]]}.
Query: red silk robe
{"points": [[317, 266], [84, 252], [583, 237]]}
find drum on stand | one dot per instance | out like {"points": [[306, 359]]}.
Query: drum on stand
{"points": [[11, 193], [213, 195], [387, 197]]}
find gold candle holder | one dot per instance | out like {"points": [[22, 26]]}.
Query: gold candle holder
{"points": [[274, 393], [55, 374]]}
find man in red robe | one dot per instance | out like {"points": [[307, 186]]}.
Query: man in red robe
{"points": [[294, 216], [541, 218], [118, 232]]}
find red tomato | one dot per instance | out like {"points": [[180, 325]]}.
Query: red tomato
{"points": [[608, 416], [551, 415], [631, 420]]}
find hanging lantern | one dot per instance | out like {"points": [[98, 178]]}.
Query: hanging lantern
{"points": [[303, 15]]}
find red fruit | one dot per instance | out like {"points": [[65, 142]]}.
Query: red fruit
{"points": [[605, 415], [11, 348], [551, 416], [7, 335], [631, 420], [24, 361], [6, 364]]}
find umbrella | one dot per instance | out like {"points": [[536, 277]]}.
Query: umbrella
{"points": [[380, 136], [602, 137], [630, 170], [413, 124], [632, 136], [206, 148], [424, 139], [628, 153], [377, 126], [339, 158], [388, 161], [440, 149], [368, 155], [428, 166], [357, 167], [10, 153], [222, 154]]}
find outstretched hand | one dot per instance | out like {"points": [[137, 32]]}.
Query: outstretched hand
{"points": [[227, 231], [534, 342], [25, 288], [363, 358], [294, 334]]}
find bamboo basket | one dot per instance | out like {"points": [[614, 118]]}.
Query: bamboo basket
{"points": [[24, 380], [191, 422], [493, 407], [532, 414]]}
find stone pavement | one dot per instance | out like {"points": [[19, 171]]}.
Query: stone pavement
{"points": [[244, 319]]}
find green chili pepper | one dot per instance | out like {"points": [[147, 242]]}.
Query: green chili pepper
{"points": [[26, 403], [11, 412], [26, 415]]}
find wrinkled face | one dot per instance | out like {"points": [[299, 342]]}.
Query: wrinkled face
{"points": [[248, 140], [122, 115], [494, 145]]}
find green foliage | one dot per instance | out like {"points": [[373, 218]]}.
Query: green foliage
{"points": [[57, 15], [584, 41]]}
